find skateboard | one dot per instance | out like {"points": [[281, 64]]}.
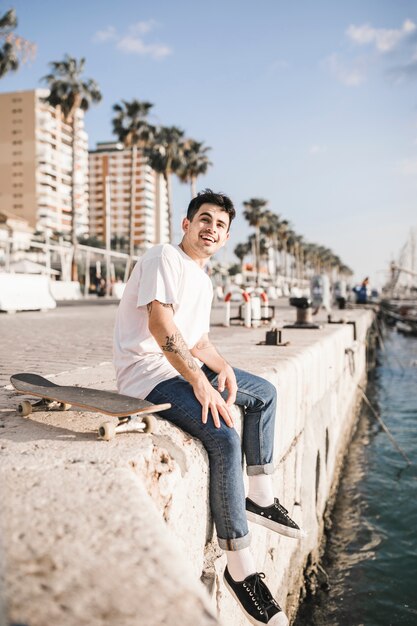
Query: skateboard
{"points": [[134, 415]]}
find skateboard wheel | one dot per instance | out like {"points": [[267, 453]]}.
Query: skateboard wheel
{"points": [[25, 408], [107, 431], [149, 423], [63, 406]]}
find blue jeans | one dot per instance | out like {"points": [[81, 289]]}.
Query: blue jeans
{"points": [[257, 397]]}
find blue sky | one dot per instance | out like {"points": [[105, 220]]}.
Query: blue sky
{"points": [[310, 105]]}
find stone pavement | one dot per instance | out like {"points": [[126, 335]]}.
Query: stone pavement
{"points": [[60, 340]]}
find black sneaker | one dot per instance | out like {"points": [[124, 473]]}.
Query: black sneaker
{"points": [[274, 517], [255, 599]]}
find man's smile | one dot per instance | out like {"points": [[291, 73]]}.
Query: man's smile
{"points": [[207, 237]]}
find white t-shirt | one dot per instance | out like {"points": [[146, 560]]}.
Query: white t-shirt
{"points": [[164, 273]]}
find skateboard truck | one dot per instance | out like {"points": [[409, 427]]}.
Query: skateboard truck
{"points": [[130, 424], [25, 407]]}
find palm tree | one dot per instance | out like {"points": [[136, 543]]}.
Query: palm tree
{"points": [[283, 233], [71, 93], [291, 243], [241, 250], [14, 48], [9, 61], [254, 213], [132, 128], [196, 162], [270, 228], [166, 155]]}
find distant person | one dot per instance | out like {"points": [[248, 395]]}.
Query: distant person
{"points": [[362, 292], [162, 352], [101, 288], [320, 293], [340, 293]]}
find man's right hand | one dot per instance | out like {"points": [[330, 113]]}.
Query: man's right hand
{"points": [[212, 401], [162, 327]]}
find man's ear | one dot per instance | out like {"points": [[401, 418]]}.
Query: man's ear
{"points": [[226, 238], [185, 224]]}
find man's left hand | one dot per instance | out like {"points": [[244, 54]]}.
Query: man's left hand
{"points": [[227, 380]]}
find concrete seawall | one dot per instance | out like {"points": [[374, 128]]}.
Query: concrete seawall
{"points": [[119, 533]]}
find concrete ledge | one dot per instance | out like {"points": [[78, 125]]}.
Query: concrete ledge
{"points": [[25, 292], [66, 290], [78, 517]]}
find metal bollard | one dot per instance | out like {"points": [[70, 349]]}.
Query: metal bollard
{"points": [[227, 300], [265, 307], [247, 310]]}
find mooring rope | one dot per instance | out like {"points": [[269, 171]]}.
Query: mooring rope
{"points": [[384, 426]]}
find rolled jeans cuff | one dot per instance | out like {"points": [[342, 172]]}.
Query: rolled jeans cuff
{"points": [[255, 470], [238, 543]]}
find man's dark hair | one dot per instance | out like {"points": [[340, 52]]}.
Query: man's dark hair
{"points": [[207, 196]]}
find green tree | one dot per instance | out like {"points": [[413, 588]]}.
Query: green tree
{"points": [[241, 250], [14, 48], [131, 127], [270, 228], [166, 156], [195, 163], [69, 92], [254, 213]]}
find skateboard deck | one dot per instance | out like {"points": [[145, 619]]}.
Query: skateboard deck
{"points": [[134, 414]]}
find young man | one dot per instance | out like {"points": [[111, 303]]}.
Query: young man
{"points": [[162, 352]]}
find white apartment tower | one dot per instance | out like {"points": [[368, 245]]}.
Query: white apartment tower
{"points": [[37, 172], [110, 187]]}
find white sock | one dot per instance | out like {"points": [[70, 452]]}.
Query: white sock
{"points": [[240, 563], [260, 490]]}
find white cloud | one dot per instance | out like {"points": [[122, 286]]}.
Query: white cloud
{"points": [[134, 42], [108, 34], [352, 76], [317, 149], [135, 45], [384, 39], [408, 167], [141, 28]]}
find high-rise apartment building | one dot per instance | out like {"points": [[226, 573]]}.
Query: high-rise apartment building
{"points": [[110, 187], [37, 170]]}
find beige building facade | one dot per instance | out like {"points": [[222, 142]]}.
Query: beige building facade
{"points": [[36, 163], [110, 186]]}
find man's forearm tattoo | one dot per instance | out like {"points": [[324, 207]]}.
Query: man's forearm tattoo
{"points": [[167, 306], [176, 344]]}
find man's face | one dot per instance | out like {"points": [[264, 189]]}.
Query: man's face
{"points": [[207, 232]]}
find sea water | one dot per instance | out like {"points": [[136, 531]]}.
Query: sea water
{"points": [[370, 562]]}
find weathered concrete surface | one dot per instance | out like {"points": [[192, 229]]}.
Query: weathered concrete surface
{"points": [[82, 522], [113, 533]]}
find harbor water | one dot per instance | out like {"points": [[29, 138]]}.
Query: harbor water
{"points": [[369, 568]]}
